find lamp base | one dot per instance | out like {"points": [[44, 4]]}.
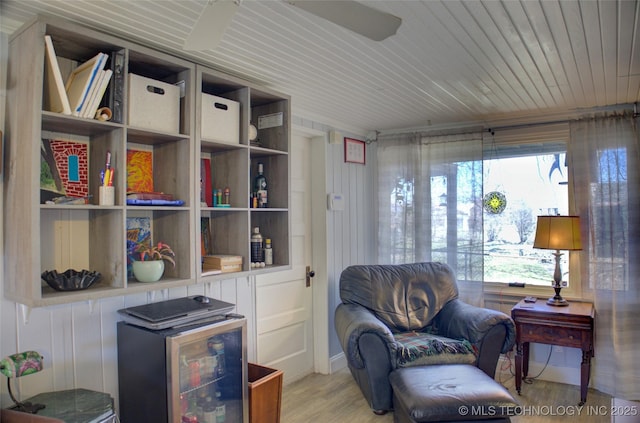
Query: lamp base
{"points": [[557, 301]]}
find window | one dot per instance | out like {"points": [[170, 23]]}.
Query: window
{"points": [[429, 191], [534, 184], [433, 205]]}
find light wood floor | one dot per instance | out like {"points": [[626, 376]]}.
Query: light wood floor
{"points": [[337, 399]]}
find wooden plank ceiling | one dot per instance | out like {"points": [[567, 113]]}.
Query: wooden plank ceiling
{"points": [[451, 62]]}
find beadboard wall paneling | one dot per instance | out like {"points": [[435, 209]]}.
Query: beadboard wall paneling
{"points": [[78, 340], [351, 236]]}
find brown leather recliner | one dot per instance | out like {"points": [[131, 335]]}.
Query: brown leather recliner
{"points": [[407, 315]]}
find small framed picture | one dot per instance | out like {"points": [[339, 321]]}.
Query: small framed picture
{"points": [[354, 151]]}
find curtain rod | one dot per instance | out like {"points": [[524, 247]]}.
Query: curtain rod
{"points": [[470, 126], [493, 129]]}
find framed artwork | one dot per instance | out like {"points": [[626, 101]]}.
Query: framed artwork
{"points": [[138, 232], [354, 151], [139, 171], [63, 169]]}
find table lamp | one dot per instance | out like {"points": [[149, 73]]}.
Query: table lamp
{"points": [[18, 365], [558, 233]]}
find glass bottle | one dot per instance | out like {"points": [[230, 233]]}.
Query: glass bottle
{"points": [[256, 246], [194, 374], [209, 414], [221, 409], [268, 252], [260, 187], [218, 346]]}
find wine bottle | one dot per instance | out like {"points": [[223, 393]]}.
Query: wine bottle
{"points": [[260, 187]]}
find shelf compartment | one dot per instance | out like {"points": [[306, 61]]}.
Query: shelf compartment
{"points": [[266, 110], [171, 226], [227, 171], [276, 170], [170, 70], [228, 233], [85, 238], [274, 224], [219, 85], [99, 140], [170, 157], [72, 50]]}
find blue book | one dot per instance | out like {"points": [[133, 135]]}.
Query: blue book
{"points": [[135, 202]]}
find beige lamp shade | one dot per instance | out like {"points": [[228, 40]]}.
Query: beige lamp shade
{"points": [[558, 233]]}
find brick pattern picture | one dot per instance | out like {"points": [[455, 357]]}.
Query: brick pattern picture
{"points": [[64, 169]]}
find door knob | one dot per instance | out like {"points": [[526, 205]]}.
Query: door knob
{"points": [[310, 274]]}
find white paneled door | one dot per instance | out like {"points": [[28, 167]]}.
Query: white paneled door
{"points": [[284, 301]]}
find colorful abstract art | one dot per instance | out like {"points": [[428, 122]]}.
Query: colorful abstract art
{"points": [[139, 171]]}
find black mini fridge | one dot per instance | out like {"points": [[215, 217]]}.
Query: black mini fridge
{"points": [[191, 374]]}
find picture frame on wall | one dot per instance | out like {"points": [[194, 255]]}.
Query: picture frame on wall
{"points": [[354, 151]]}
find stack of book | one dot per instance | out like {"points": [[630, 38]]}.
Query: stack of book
{"points": [[82, 94]]}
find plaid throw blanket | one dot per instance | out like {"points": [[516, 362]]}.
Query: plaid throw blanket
{"points": [[418, 345]]}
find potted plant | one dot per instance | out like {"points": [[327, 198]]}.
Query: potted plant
{"points": [[149, 266]]}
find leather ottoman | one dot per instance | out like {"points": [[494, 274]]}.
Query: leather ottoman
{"points": [[449, 393]]}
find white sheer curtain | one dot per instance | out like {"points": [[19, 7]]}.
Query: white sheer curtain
{"points": [[605, 160], [430, 204]]}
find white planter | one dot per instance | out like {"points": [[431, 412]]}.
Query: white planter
{"points": [[148, 271]]}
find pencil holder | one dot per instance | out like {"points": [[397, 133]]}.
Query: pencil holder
{"points": [[107, 195]]}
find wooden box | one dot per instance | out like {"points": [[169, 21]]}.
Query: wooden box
{"points": [[223, 262], [265, 394]]}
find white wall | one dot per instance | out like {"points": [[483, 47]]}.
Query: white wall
{"points": [[351, 233]]}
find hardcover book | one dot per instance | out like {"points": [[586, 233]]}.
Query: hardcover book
{"points": [[80, 81], [56, 99], [205, 236], [114, 97], [206, 185]]}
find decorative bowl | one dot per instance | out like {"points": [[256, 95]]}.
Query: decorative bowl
{"points": [[70, 280]]}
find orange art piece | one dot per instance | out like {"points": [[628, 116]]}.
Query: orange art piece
{"points": [[139, 171]]}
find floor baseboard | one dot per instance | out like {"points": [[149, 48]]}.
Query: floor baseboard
{"points": [[337, 362]]}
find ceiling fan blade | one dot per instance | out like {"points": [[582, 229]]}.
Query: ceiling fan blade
{"points": [[357, 17], [211, 25]]}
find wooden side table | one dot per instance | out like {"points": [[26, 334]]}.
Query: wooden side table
{"points": [[570, 326]]}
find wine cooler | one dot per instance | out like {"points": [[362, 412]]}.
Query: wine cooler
{"points": [[190, 374]]}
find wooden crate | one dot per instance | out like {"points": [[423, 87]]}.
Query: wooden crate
{"points": [[265, 394]]}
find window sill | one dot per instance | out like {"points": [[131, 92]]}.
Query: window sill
{"points": [[499, 290]]}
